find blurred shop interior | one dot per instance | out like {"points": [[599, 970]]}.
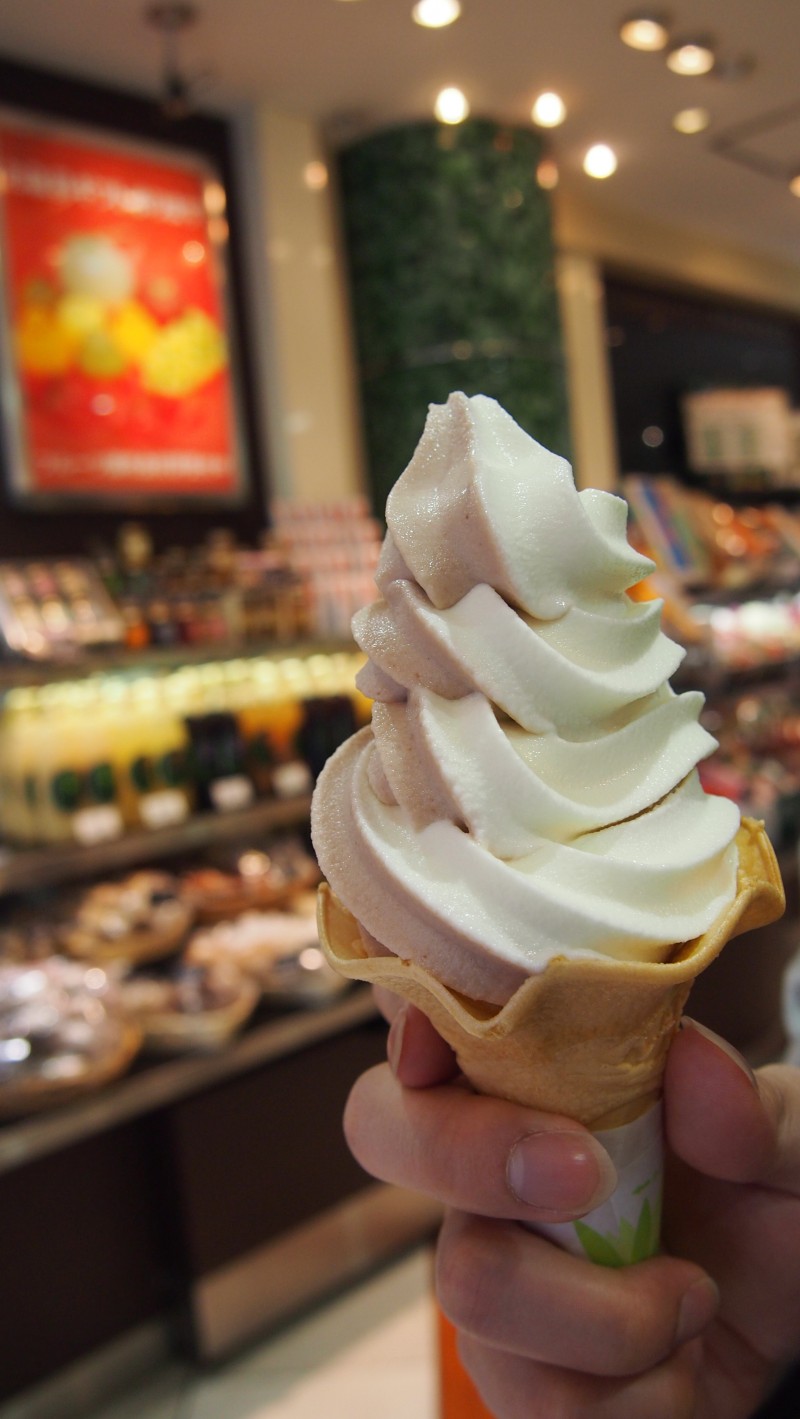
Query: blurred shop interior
{"points": [[243, 245]]}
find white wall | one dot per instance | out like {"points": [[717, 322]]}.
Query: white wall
{"points": [[300, 322]]}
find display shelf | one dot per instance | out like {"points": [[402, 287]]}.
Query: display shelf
{"points": [[157, 1084], [740, 490], [30, 868], [701, 672], [19, 674]]}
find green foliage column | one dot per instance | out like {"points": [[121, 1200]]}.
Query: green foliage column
{"points": [[449, 248]]}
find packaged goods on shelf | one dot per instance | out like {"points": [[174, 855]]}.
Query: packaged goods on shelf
{"points": [[90, 760], [758, 760], [336, 547], [753, 633], [702, 540], [55, 609], [663, 519], [729, 575], [214, 594]]}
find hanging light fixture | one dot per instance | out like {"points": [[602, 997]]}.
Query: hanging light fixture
{"points": [[177, 88]]}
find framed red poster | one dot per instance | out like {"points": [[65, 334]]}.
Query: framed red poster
{"points": [[119, 384]]}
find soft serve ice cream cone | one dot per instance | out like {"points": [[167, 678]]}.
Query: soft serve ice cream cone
{"points": [[520, 843]]}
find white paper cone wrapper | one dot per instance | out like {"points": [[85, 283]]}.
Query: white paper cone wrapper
{"points": [[627, 1227]]}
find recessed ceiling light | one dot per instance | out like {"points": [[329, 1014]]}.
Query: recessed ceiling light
{"points": [[691, 57], [600, 161], [435, 14], [691, 120], [644, 31], [451, 106], [549, 110], [794, 185]]}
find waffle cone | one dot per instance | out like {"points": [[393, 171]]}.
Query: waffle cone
{"points": [[586, 1038]]}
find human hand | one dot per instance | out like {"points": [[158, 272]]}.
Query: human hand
{"points": [[703, 1332]]}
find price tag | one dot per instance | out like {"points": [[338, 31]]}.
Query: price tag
{"points": [[98, 824], [230, 794], [163, 809]]}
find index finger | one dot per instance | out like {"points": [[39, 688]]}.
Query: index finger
{"points": [[727, 1122]]}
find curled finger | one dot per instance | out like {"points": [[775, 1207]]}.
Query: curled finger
{"points": [[520, 1293], [516, 1388]]}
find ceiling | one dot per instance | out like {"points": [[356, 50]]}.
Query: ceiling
{"points": [[360, 65]]}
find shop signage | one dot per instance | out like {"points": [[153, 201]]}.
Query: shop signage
{"points": [[118, 369]]}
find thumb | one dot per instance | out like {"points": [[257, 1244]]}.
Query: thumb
{"points": [[724, 1120]]}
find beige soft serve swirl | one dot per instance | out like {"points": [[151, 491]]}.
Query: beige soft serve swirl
{"points": [[528, 787]]}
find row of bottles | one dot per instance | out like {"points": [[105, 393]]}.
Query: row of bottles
{"points": [[88, 760]]}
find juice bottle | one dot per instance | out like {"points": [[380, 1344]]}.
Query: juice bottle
{"points": [[63, 762], [20, 742], [151, 752], [98, 817], [122, 732], [171, 798], [252, 707], [284, 717]]}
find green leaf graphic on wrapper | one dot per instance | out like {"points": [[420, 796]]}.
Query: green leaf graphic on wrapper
{"points": [[629, 1244]]}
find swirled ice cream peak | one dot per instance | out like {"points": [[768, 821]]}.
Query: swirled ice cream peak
{"points": [[528, 786]]}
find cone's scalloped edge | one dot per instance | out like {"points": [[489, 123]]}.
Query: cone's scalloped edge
{"points": [[587, 1037]]}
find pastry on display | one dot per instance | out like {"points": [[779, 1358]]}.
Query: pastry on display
{"points": [[278, 949], [520, 842], [227, 884], [143, 917], [26, 936], [63, 1032], [195, 1007]]}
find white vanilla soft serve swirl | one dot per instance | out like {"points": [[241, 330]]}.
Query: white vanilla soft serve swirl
{"points": [[528, 787]]}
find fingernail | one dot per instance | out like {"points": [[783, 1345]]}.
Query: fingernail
{"points": [[733, 1054], [560, 1172], [698, 1307], [394, 1039]]}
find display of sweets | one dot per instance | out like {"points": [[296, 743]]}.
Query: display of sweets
{"points": [[62, 1028]]}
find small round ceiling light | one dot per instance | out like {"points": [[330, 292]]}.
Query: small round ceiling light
{"points": [[794, 185], [549, 110], [600, 161], [691, 57], [691, 120], [435, 14], [451, 106], [647, 32]]}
